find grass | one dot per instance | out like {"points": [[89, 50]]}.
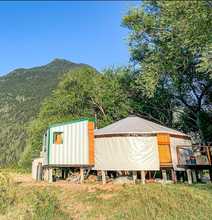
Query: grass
{"points": [[94, 201], [151, 201], [17, 202]]}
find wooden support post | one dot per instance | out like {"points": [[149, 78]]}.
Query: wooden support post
{"points": [[210, 174], [194, 177], [50, 175], [81, 175], [174, 176], [164, 175], [188, 171], [45, 175], [39, 172], [134, 174], [142, 176], [150, 176], [63, 173], [66, 173], [103, 177]]}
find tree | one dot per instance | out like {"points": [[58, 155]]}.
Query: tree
{"points": [[168, 42]]}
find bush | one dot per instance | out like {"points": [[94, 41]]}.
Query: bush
{"points": [[7, 193]]}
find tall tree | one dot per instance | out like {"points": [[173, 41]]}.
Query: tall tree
{"points": [[168, 42]]}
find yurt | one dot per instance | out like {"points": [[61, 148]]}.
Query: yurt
{"points": [[134, 144]]}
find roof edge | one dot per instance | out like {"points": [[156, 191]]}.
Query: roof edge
{"points": [[135, 134], [71, 122]]}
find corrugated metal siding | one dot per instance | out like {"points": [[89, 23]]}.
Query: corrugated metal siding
{"points": [[75, 147]]}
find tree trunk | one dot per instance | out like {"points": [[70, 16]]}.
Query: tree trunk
{"points": [[198, 123]]}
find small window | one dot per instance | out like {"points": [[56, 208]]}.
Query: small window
{"points": [[58, 138]]}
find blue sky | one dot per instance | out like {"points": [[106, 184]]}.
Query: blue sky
{"points": [[34, 33]]}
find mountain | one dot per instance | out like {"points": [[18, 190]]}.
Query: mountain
{"points": [[21, 94]]}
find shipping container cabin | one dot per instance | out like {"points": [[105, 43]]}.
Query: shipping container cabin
{"points": [[69, 144]]}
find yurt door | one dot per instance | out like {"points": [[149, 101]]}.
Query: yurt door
{"points": [[164, 149]]}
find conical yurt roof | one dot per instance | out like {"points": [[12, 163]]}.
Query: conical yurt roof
{"points": [[135, 125]]}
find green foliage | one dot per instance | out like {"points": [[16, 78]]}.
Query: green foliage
{"points": [[82, 93], [206, 61], [21, 94], [7, 193], [45, 205], [169, 43], [27, 204]]}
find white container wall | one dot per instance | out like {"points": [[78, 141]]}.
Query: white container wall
{"points": [[73, 146]]}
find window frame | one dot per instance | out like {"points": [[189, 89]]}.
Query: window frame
{"points": [[55, 133]]}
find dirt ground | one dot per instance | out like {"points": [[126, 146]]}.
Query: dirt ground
{"points": [[89, 186]]}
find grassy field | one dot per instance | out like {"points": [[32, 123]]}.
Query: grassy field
{"points": [[21, 198]]}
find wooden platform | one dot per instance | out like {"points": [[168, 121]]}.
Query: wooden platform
{"points": [[196, 166]]}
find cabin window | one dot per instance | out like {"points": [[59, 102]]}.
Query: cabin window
{"points": [[58, 138], [185, 155]]}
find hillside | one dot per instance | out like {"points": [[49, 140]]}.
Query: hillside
{"points": [[21, 93], [26, 199]]}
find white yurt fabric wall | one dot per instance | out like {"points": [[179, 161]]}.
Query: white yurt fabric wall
{"points": [[131, 144], [126, 153]]}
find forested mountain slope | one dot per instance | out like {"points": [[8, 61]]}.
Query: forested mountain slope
{"points": [[21, 93]]}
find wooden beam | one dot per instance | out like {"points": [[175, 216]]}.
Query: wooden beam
{"points": [[194, 177], [103, 177], [142, 176], [134, 174], [209, 154], [210, 174], [174, 176], [63, 173], [40, 172], [50, 175], [164, 175], [81, 175], [188, 171]]}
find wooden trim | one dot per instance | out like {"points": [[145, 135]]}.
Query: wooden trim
{"points": [[166, 165], [163, 140], [186, 137], [91, 142], [180, 136], [69, 165], [209, 154], [125, 135], [197, 166], [141, 135]]}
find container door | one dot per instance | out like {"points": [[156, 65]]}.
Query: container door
{"points": [[164, 150]]}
